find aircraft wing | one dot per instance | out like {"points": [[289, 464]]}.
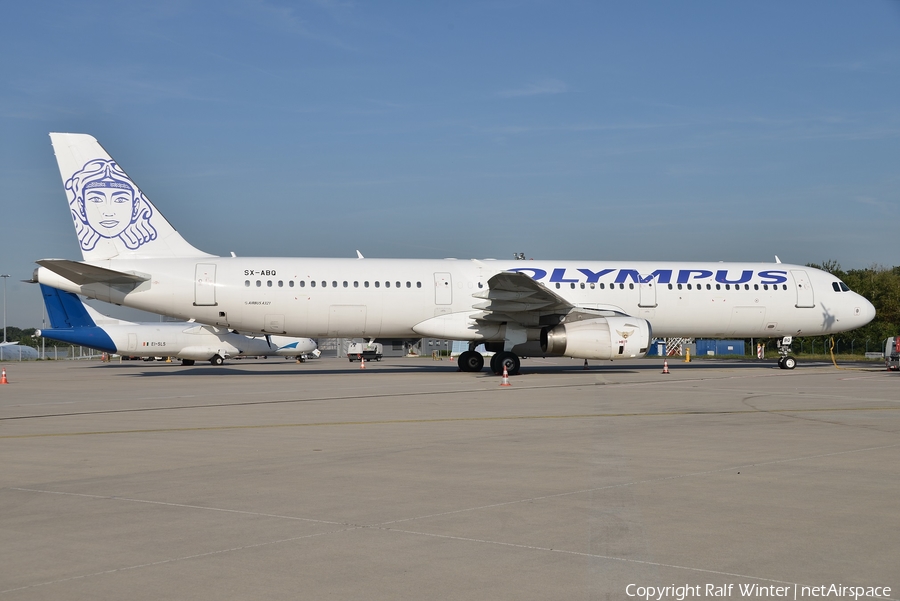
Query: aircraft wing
{"points": [[83, 273], [516, 297]]}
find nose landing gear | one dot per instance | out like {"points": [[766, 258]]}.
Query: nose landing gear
{"points": [[784, 349]]}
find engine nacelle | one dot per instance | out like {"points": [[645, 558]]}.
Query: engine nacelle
{"points": [[600, 338]]}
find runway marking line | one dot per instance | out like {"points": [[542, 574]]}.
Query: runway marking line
{"points": [[173, 560], [446, 420], [527, 387]]}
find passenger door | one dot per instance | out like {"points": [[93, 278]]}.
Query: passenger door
{"points": [[443, 289]]}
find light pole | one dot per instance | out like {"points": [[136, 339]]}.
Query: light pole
{"points": [[5, 277]]}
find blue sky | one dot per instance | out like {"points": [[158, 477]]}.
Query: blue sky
{"points": [[570, 130]]}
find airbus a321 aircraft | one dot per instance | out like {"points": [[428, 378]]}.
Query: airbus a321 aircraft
{"points": [[74, 322], [583, 309]]}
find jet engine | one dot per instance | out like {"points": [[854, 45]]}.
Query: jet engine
{"points": [[616, 337]]}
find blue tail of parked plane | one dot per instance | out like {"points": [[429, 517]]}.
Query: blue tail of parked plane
{"points": [[70, 321], [65, 309]]}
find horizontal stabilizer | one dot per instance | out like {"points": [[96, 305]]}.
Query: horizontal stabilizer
{"points": [[82, 273]]}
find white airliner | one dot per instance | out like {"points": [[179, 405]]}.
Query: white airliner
{"points": [[583, 309], [74, 322]]}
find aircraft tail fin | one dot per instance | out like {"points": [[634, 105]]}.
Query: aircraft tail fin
{"points": [[113, 219], [65, 309]]}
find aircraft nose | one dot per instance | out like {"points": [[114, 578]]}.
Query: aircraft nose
{"points": [[863, 312]]}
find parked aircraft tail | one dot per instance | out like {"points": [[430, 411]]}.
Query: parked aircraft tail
{"points": [[65, 309], [71, 322], [113, 218]]}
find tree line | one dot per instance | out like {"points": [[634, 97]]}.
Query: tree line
{"points": [[881, 286]]}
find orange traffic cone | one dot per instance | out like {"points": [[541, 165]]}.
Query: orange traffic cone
{"points": [[504, 381], [3, 379], [362, 363], [665, 366]]}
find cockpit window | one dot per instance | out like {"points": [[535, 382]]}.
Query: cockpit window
{"points": [[836, 287], [845, 287]]}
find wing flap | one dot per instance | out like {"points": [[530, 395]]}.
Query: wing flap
{"points": [[515, 297]]}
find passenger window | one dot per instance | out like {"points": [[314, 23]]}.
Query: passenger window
{"points": [[479, 285], [727, 286], [756, 286], [718, 286], [258, 283], [557, 285], [679, 287], [784, 286], [631, 286], [303, 283], [324, 284], [312, 283], [418, 284], [334, 284], [377, 284], [366, 283], [670, 286], [355, 284], [291, 283], [409, 285], [572, 285], [621, 286], [582, 285], [269, 283], [247, 283], [345, 283], [689, 287], [708, 287], [387, 284], [592, 285], [765, 286], [398, 284], [280, 284]]}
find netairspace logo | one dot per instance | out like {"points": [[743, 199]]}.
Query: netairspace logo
{"points": [[795, 591]]}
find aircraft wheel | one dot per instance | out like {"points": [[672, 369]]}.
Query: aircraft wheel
{"points": [[509, 360], [187, 362], [217, 360], [470, 361], [789, 363], [781, 362]]}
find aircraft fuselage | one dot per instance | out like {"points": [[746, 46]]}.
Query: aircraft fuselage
{"points": [[397, 298]]}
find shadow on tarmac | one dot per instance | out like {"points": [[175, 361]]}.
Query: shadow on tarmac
{"points": [[391, 368]]}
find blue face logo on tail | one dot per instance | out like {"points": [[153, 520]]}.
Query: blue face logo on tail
{"points": [[105, 204]]}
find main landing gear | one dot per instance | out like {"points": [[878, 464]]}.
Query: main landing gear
{"points": [[784, 349], [474, 361], [470, 361], [506, 359]]}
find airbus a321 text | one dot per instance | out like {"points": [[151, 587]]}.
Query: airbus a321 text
{"points": [[583, 309]]}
